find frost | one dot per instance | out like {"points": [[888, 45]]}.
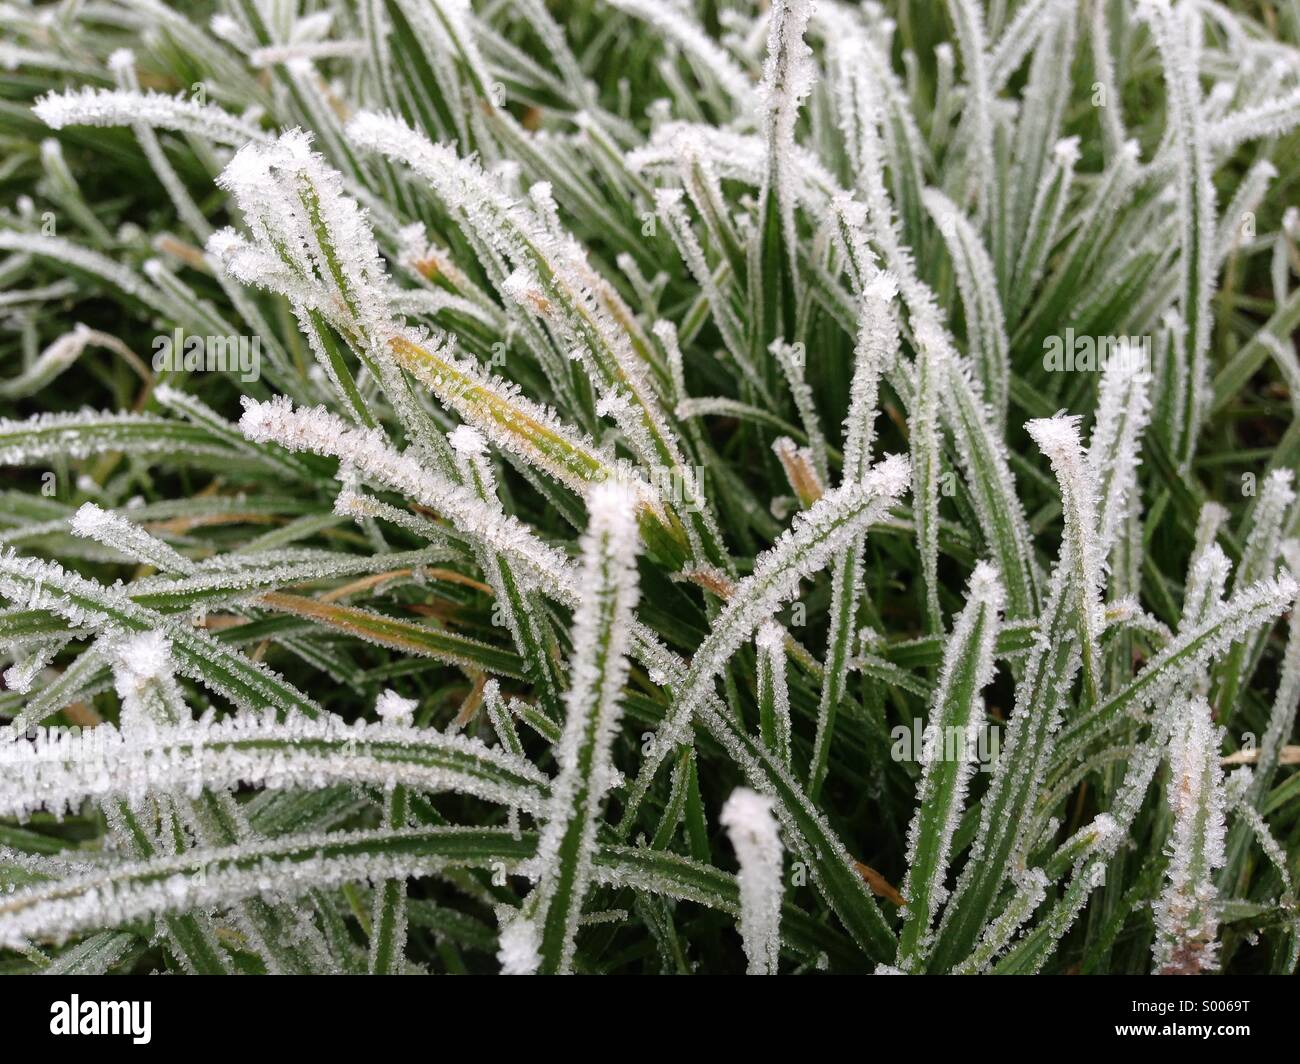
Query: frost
{"points": [[80, 258], [1282, 716], [691, 38], [120, 107], [113, 530], [205, 879], [932, 367], [142, 660], [307, 52], [518, 953], [60, 771], [788, 77], [1178, 39], [948, 758], [1270, 517], [593, 708], [753, 833], [369, 454], [1187, 914], [59, 356], [550, 312], [802, 550], [1058, 438], [1030, 890], [392, 708], [1123, 411], [986, 332], [1207, 580], [773, 690], [968, 19]]}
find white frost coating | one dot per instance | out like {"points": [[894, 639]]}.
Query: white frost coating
{"points": [[949, 759], [1066, 151], [932, 360], [1108, 830], [1030, 890], [773, 685], [1209, 521], [518, 953], [120, 107], [874, 354], [1259, 559], [114, 530], [669, 208], [392, 708], [1282, 716], [1058, 438], [1123, 410], [294, 205], [518, 305], [369, 453], [1207, 578], [788, 77], [688, 35], [28, 665], [977, 282], [85, 604], [141, 660], [57, 357], [805, 402], [466, 440], [1187, 914], [981, 449], [552, 279], [602, 639], [1245, 201], [1049, 204], [968, 20], [226, 579], [82, 258], [802, 550], [61, 770], [1187, 654], [306, 52], [1267, 523], [143, 673], [770, 637], [203, 879], [731, 155], [1178, 37], [752, 829], [1268, 119]]}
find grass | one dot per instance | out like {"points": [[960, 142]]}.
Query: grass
{"points": [[614, 487]]}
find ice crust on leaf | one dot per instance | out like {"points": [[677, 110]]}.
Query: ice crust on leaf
{"points": [[753, 832]]}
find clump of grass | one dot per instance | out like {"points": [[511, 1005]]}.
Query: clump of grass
{"points": [[626, 487]]}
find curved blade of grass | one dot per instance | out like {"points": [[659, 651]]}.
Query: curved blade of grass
{"points": [[84, 603], [601, 637], [398, 635], [1187, 653], [956, 713], [244, 749]]}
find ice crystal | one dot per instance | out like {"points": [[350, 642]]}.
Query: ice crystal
{"points": [[753, 832], [1187, 914]]}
